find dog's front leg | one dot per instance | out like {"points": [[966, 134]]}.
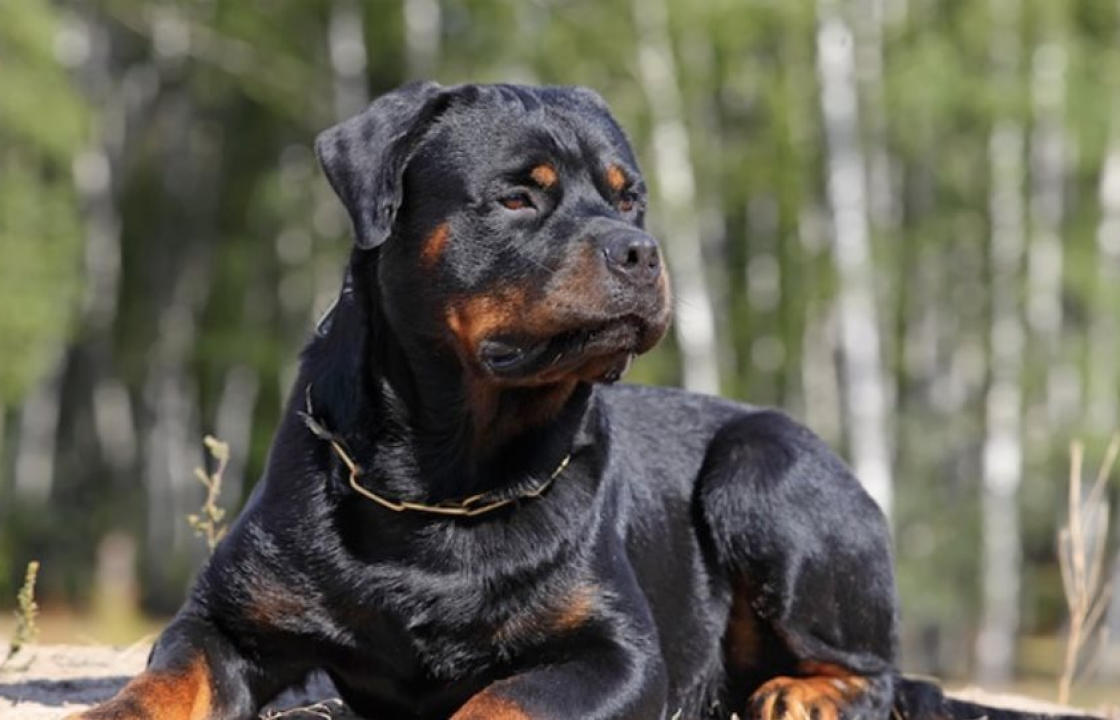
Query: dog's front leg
{"points": [[194, 673], [813, 631], [605, 683], [608, 668]]}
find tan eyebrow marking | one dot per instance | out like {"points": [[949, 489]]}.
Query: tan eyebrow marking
{"points": [[544, 175], [434, 244], [616, 179]]}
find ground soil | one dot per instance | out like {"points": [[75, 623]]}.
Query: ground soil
{"points": [[48, 682]]}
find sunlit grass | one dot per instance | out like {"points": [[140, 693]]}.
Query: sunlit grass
{"points": [[65, 627]]}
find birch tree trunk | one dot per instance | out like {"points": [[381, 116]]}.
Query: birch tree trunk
{"points": [[94, 171], [883, 203], [676, 190], [346, 43], [1104, 393], [38, 433], [4, 485], [422, 22], [1044, 307], [1003, 449], [234, 425], [1104, 362], [1045, 260], [865, 386], [172, 440]]}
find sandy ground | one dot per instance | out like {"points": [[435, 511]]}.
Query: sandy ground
{"points": [[49, 681]]}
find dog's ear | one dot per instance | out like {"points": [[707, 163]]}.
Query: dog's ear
{"points": [[365, 157]]}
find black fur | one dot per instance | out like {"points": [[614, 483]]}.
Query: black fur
{"points": [[693, 552]]}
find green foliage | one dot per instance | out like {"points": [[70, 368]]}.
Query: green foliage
{"points": [[42, 124]]}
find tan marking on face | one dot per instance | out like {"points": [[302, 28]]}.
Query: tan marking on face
{"points": [[474, 319], [471, 321], [486, 705], [573, 294], [616, 179], [161, 695], [544, 175], [434, 244]]}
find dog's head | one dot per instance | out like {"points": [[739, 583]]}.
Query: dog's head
{"points": [[509, 228]]}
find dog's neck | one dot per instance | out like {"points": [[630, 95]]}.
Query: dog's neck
{"points": [[402, 406]]}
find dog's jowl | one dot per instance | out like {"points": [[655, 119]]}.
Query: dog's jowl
{"points": [[463, 515]]}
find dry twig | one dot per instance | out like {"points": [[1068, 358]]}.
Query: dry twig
{"points": [[324, 710], [27, 611], [1081, 555], [208, 521]]}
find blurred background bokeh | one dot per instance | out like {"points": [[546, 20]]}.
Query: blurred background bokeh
{"points": [[899, 220]]}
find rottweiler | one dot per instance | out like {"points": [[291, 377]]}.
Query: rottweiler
{"points": [[463, 516]]}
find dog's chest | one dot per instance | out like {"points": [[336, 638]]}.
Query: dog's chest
{"points": [[422, 642]]}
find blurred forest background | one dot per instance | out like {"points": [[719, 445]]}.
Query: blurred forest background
{"points": [[897, 219]]}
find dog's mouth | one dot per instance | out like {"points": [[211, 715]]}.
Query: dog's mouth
{"points": [[601, 352]]}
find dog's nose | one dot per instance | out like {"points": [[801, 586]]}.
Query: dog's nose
{"points": [[634, 256]]}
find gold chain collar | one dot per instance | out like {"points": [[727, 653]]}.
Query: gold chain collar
{"points": [[467, 507]]}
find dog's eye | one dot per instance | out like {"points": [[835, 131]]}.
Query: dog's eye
{"points": [[517, 201], [627, 202]]}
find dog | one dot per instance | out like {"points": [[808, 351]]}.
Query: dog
{"points": [[463, 516]]}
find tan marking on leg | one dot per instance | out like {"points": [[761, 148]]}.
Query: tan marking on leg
{"points": [[569, 613], [434, 244], [544, 175], [823, 694], [576, 608], [488, 706], [160, 695], [743, 640]]}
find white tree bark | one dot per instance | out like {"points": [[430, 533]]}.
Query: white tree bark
{"points": [[883, 203], [93, 172], [1044, 268], [1104, 363], [422, 22], [346, 43], [1044, 307], [820, 385], [173, 438], [1003, 448], [38, 434], [234, 425], [1104, 395], [676, 192], [865, 386], [3, 450]]}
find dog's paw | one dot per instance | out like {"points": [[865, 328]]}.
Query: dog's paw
{"points": [[817, 697]]}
